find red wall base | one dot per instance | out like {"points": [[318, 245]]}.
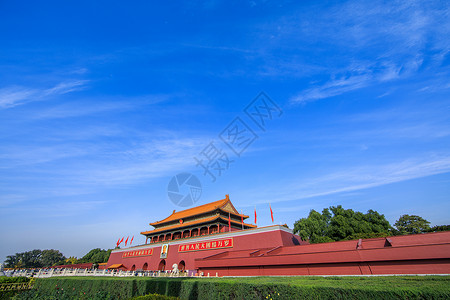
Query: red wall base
{"points": [[412, 254], [375, 268], [274, 250]]}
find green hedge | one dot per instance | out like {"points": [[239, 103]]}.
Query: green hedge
{"points": [[5, 295], [392, 287], [4, 279], [155, 297]]}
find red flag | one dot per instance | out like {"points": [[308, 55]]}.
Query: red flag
{"points": [[131, 240], [126, 241], [255, 214], [229, 222], [271, 212], [121, 241], [118, 242]]}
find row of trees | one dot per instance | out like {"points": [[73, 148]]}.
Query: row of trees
{"points": [[336, 223], [47, 258], [35, 259]]}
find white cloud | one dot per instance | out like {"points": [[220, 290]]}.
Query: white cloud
{"points": [[13, 96], [163, 157], [86, 168], [66, 87], [333, 88], [351, 180], [99, 105], [16, 95], [395, 39]]}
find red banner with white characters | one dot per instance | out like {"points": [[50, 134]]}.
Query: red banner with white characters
{"points": [[136, 253], [210, 245]]}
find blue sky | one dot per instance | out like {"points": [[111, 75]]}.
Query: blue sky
{"points": [[102, 103]]}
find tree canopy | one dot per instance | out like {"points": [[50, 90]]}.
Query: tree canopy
{"points": [[96, 255], [47, 258], [336, 223], [35, 259], [412, 224]]}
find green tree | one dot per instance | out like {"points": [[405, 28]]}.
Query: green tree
{"points": [[51, 258], [439, 228], [71, 260], [108, 253], [412, 224], [12, 261], [313, 228], [336, 223], [96, 255], [29, 259]]}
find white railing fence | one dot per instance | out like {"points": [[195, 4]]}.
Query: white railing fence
{"points": [[45, 273]]}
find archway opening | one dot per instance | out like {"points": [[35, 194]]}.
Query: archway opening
{"points": [[182, 265], [204, 231], [145, 267], [133, 268], [162, 265]]}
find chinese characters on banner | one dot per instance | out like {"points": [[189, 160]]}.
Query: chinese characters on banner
{"points": [[237, 136], [136, 253], [225, 243]]}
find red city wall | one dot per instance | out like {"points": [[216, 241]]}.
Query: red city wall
{"points": [[412, 254], [274, 250]]}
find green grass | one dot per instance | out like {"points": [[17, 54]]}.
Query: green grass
{"points": [[383, 287]]}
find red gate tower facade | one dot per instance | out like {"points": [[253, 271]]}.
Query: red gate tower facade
{"points": [[212, 218], [196, 233]]}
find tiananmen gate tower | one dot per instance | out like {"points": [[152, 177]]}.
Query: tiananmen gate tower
{"points": [[215, 239]]}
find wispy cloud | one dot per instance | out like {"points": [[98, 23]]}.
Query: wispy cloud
{"points": [[91, 167], [163, 157], [396, 37], [13, 96], [352, 179], [16, 95], [58, 208], [66, 87], [10, 199], [333, 88], [99, 105]]}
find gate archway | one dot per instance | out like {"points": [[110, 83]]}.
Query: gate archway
{"points": [[162, 265], [182, 265]]}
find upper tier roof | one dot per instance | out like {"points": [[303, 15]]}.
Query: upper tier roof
{"points": [[195, 222], [224, 204]]}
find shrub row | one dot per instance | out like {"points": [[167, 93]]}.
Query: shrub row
{"points": [[242, 288], [5, 293], [155, 297], [4, 279]]}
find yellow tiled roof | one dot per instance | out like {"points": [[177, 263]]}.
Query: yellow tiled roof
{"points": [[198, 210], [195, 222]]}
